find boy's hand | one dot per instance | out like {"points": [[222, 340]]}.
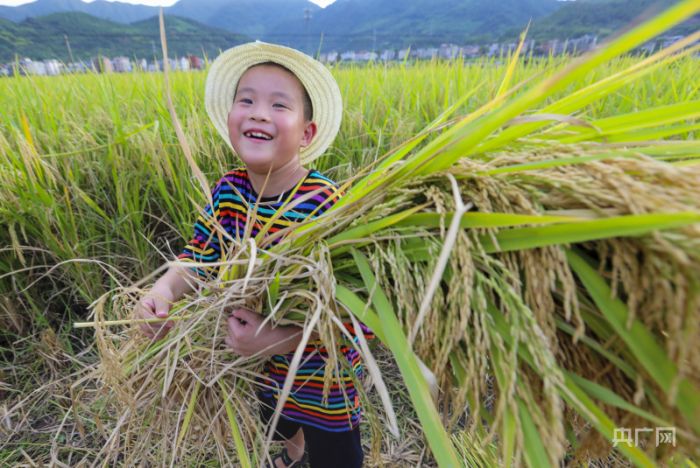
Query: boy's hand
{"points": [[152, 307], [248, 336]]}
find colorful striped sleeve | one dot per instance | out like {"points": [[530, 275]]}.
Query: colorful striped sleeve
{"points": [[366, 332], [205, 245]]}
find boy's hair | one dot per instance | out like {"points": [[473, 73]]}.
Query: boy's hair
{"points": [[306, 99]]}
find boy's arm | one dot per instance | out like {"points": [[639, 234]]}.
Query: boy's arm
{"points": [[178, 280], [248, 335], [169, 288]]}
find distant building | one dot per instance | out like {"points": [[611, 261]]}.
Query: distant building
{"points": [[426, 53], [529, 46], [28, 67], [348, 56], [550, 47], [196, 63], [581, 44], [648, 47], [121, 64], [53, 67], [330, 57], [183, 63], [509, 48], [365, 56], [670, 40], [470, 51], [77, 67], [102, 65], [449, 51], [387, 55]]}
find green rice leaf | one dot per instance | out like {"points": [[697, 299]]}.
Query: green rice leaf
{"points": [[480, 220], [611, 398], [510, 70], [418, 389], [533, 449], [618, 226], [509, 435], [361, 310], [188, 414], [241, 450], [648, 118], [368, 229], [416, 248], [600, 349], [634, 135], [640, 341], [90, 202], [550, 163], [273, 291], [578, 399], [509, 422]]}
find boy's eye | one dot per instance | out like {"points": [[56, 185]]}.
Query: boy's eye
{"points": [[245, 100], [279, 104]]}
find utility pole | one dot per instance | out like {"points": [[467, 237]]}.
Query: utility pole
{"points": [[155, 57], [70, 52], [307, 19]]}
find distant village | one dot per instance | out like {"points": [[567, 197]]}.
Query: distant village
{"points": [[27, 66]]}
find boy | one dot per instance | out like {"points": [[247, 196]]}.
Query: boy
{"points": [[278, 109]]}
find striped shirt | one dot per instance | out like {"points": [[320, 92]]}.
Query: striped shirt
{"points": [[232, 197]]}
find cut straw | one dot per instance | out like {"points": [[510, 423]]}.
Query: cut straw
{"points": [[110, 323]]}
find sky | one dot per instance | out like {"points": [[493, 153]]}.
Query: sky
{"points": [[322, 3]]}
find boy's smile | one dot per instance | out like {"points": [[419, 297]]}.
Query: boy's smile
{"points": [[257, 134], [266, 122]]}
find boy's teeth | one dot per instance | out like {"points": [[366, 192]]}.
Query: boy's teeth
{"points": [[257, 135]]}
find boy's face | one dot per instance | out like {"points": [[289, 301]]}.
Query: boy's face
{"points": [[266, 122]]}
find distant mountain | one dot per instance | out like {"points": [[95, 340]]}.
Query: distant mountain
{"points": [[602, 17], [259, 19], [344, 25], [43, 38], [112, 11], [376, 24], [250, 17]]}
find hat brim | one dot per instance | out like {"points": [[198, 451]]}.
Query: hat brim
{"points": [[229, 66]]}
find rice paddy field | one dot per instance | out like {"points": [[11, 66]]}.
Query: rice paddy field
{"points": [[522, 234]]}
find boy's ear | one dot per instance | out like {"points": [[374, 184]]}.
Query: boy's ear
{"points": [[310, 130]]}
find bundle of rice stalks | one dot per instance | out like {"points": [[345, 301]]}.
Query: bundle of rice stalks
{"points": [[541, 268]]}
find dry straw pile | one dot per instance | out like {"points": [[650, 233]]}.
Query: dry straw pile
{"points": [[541, 269]]}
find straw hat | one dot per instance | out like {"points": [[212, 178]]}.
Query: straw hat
{"points": [[322, 88]]}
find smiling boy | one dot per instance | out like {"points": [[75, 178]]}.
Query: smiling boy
{"points": [[278, 109]]}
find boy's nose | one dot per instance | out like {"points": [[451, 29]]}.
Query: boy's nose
{"points": [[259, 113]]}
